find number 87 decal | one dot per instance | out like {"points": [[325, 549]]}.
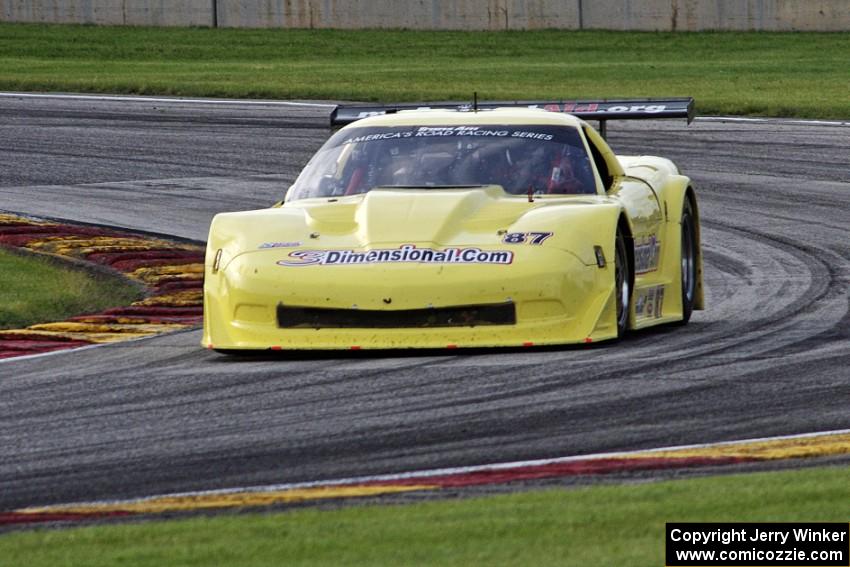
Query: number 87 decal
{"points": [[533, 238]]}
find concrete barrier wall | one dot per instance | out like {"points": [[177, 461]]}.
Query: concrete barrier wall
{"points": [[110, 12], [414, 14], [699, 15], [662, 15]]}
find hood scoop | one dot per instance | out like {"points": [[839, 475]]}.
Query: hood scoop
{"points": [[420, 215]]}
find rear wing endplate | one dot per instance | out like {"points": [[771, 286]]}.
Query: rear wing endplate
{"points": [[600, 110]]}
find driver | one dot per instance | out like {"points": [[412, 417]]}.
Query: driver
{"points": [[552, 168]]}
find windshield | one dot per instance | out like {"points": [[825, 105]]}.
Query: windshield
{"points": [[537, 158]]}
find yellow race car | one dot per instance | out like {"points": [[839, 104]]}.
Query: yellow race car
{"points": [[484, 225]]}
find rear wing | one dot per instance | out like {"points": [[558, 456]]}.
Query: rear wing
{"points": [[600, 110]]}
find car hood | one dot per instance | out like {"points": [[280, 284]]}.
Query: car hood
{"points": [[439, 217]]}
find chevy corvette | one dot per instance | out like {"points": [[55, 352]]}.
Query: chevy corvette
{"points": [[451, 226]]}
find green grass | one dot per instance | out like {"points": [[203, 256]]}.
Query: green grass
{"points": [[775, 74], [34, 289], [602, 525]]}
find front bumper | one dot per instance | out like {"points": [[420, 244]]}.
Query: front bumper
{"points": [[557, 300]]}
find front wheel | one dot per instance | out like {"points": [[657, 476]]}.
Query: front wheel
{"points": [[689, 261], [622, 284]]}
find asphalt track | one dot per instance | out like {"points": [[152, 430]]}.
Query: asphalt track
{"points": [[770, 356]]}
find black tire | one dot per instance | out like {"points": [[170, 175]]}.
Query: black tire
{"points": [[622, 283], [689, 260]]}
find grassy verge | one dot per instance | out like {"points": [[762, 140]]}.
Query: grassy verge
{"points": [[37, 290], [776, 74], [603, 525]]}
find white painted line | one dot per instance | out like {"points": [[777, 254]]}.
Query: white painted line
{"points": [[52, 352], [113, 98], [771, 120], [452, 471], [285, 103], [819, 122], [96, 345], [729, 119]]}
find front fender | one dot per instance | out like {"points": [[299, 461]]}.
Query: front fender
{"points": [[576, 229]]}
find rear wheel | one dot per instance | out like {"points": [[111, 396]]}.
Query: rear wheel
{"points": [[622, 283], [689, 261]]}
